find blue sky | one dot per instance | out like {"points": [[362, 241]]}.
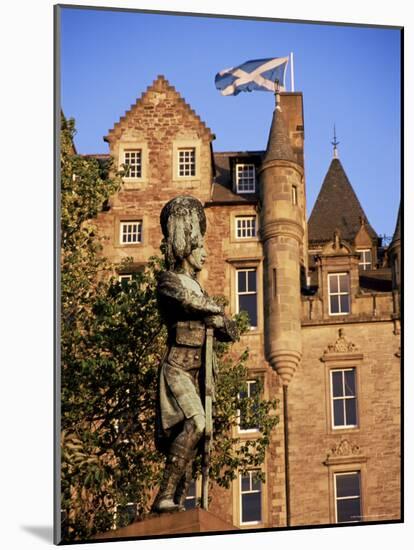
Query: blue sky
{"points": [[349, 76]]}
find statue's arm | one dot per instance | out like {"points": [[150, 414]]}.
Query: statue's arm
{"points": [[171, 290], [225, 329]]}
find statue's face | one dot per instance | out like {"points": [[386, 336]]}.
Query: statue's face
{"points": [[197, 257]]}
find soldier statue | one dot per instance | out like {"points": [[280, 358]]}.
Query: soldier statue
{"points": [[187, 311]]}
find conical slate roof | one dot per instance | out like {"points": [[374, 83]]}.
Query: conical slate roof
{"points": [[278, 144], [337, 207]]}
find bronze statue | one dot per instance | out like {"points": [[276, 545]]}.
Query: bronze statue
{"points": [[187, 311]]}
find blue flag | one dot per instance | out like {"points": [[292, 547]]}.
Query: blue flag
{"points": [[257, 74]]}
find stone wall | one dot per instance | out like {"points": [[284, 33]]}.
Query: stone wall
{"points": [[377, 436]]}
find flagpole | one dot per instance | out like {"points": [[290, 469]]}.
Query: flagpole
{"points": [[292, 74]]}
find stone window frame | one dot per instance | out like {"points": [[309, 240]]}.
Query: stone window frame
{"points": [[135, 163], [337, 499], [363, 261], [133, 247], [198, 492], [239, 508], [178, 144], [124, 277], [253, 227], [339, 361], [186, 162], [243, 213], [129, 183], [139, 231], [250, 431], [342, 369], [346, 464], [115, 514], [247, 292], [338, 273], [245, 263], [249, 165]]}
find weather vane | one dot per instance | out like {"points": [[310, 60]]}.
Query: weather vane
{"points": [[335, 143]]}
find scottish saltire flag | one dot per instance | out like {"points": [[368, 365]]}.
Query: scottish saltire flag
{"points": [[257, 74]]}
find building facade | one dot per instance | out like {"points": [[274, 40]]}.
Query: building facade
{"points": [[323, 297]]}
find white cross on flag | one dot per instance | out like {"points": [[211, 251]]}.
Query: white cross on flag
{"points": [[257, 74]]}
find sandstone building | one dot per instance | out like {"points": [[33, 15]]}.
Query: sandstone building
{"points": [[322, 295]]}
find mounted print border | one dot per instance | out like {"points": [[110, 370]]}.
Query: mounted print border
{"points": [[301, 250]]}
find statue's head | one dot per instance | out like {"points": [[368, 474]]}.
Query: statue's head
{"points": [[183, 223]]}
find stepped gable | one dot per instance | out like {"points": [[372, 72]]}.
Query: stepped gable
{"points": [[278, 145], [160, 86], [337, 207]]}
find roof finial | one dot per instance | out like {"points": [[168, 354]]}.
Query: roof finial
{"points": [[335, 143]]}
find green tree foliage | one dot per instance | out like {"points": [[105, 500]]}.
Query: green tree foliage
{"points": [[112, 342]]}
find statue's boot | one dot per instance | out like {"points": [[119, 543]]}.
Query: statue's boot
{"points": [[184, 483], [175, 468]]}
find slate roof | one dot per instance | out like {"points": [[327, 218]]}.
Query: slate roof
{"points": [[337, 207], [376, 280], [278, 144], [223, 183]]}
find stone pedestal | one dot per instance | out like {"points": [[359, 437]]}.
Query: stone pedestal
{"points": [[176, 523]]}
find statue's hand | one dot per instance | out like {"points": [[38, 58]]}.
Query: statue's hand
{"points": [[214, 308], [214, 321]]}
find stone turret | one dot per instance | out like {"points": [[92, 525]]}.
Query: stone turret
{"points": [[394, 254], [282, 234]]}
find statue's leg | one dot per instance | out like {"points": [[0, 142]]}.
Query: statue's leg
{"points": [[184, 484], [181, 455]]}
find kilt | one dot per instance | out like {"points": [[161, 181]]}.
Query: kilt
{"points": [[179, 395]]}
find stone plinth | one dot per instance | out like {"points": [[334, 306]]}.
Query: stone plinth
{"points": [[191, 521]]}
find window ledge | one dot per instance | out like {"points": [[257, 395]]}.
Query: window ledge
{"points": [[133, 184]]}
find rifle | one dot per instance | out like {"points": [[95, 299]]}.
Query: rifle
{"points": [[208, 406]]}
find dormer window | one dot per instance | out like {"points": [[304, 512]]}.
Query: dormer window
{"points": [[338, 287], [365, 261], [245, 178]]}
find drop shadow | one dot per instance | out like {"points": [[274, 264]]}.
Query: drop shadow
{"points": [[43, 532]]}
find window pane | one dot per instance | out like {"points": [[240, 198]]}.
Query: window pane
{"points": [[343, 283], [245, 483], [333, 283], [347, 485], [344, 303], [251, 278], [350, 382], [247, 303], [241, 281], [251, 507], [190, 501], [253, 388], [349, 510], [334, 304], [337, 386], [256, 482], [350, 408], [338, 406]]}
